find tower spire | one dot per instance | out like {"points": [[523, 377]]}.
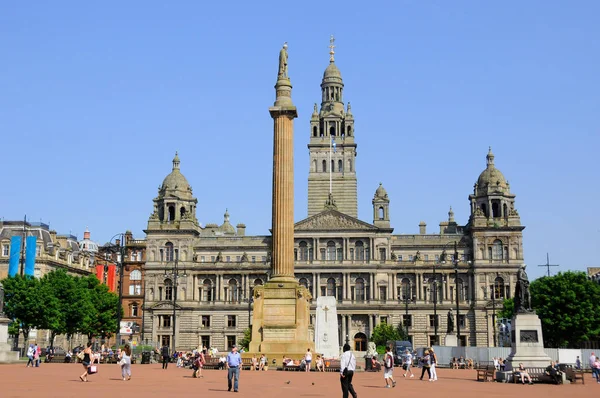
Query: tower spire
{"points": [[176, 161], [331, 48]]}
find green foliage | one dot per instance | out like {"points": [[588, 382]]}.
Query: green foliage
{"points": [[13, 329], [508, 309], [245, 342], [381, 349], [61, 303], [383, 332], [568, 307]]}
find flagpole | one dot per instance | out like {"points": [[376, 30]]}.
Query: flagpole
{"points": [[330, 165]]}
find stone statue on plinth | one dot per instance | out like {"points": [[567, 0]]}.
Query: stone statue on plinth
{"points": [[1, 299], [283, 63], [522, 295], [450, 321]]}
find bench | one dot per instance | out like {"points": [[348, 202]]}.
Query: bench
{"points": [[538, 375], [332, 365], [247, 363], [485, 372], [58, 358], [211, 363], [577, 375]]}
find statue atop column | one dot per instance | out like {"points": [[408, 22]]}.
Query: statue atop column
{"points": [[283, 62], [450, 321], [522, 295]]}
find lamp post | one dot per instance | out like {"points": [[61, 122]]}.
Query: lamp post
{"points": [[174, 274], [406, 297], [119, 248], [435, 318], [250, 301], [455, 261]]}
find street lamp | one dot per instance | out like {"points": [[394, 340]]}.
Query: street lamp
{"points": [[250, 301], [435, 293], [406, 297], [174, 274], [119, 248]]}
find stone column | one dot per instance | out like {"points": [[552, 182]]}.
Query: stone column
{"points": [[283, 113]]}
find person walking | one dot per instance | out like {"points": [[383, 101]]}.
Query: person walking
{"points": [[433, 361], [125, 360], [308, 360], [388, 366], [408, 364], [234, 364], [30, 356], [198, 364], [425, 364], [86, 361], [164, 351], [347, 368], [592, 360]]}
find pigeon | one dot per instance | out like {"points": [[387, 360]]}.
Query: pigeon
{"points": [[288, 382]]}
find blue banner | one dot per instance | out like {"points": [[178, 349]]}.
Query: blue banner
{"points": [[30, 249], [15, 254]]}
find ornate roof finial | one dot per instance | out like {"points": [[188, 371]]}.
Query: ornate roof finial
{"points": [[451, 215], [490, 158], [176, 161], [226, 215], [331, 47]]}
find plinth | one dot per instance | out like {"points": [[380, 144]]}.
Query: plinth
{"points": [[281, 319], [451, 340], [527, 343], [6, 355]]}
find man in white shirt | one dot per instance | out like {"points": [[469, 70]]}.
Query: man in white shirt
{"points": [[408, 364], [347, 368]]}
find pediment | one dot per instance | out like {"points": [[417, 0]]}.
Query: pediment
{"points": [[165, 305], [330, 220]]}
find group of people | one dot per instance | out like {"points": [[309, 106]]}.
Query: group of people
{"points": [[462, 363], [34, 351], [88, 360]]}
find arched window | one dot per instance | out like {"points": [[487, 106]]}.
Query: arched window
{"points": [[135, 282], [182, 212], [315, 131], [406, 293], [207, 290], [331, 251], [350, 165], [381, 214], [135, 275], [497, 250], [331, 287], [169, 251], [359, 289], [498, 289], [232, 291], [360, 342], [303, 282], [360, 251], [324, 166], [340, 166], [349, 131], [134, 309], [332, 131], [495, 209], [332, 166], [303, 251], [168, 290], [258, 282], [171, 213], [484, 209]]}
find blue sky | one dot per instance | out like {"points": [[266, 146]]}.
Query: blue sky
{"points": [[96, 98]]}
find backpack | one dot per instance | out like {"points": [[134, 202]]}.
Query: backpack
{"points": [[388, 361]]}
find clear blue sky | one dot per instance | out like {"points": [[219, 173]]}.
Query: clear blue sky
{"points": [[96, 98]]}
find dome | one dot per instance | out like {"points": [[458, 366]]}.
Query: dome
{"points": [[332, 71], [175, 180], [491, 178], [381, 192]]}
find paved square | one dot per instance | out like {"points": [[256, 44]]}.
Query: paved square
{"points": [[61, 380]]}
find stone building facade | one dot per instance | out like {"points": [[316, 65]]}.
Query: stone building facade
{"points": [[199, 280]]}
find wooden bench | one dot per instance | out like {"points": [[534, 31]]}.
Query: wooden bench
{"points": [[211, 363], [577, 375], [485, 372], [538, 375], [332, 365], [246, 363]]}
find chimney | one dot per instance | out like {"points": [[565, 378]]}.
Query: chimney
{"points": [[422, 228], [241, 229]]}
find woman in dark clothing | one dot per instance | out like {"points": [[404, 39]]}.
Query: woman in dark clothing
{"points": [[86, 361], [426, 363]]}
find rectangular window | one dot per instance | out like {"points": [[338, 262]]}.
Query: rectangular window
{"points": [[227, 258], [253, 259], [205, 341], [383, 319], [231, 321], [205, 321], [462, 321], [410, 258], [230, 342], [166, 321], [5, 250], [202, 259], [427, 257], [407, 320], [437, 258], [382, 293], [165, 340], [38, 250], [433, 340], [238, 258], [264, 259], [432, 320], [400, 257]]}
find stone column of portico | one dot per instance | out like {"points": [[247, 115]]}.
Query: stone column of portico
{"points": [[283, 113]]}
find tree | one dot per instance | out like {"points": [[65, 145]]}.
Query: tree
{"points": [[103, 307], [62, 287], [383, 333], [24, 303], [245, 341], [508, 309], [568, 307]]}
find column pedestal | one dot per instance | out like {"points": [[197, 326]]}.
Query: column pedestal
{"points": [[527, 343], [6, 355]]}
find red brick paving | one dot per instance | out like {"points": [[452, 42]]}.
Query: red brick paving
{"points": [[61, 380]]}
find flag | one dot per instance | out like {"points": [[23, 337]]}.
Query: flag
{"points": [[333, 144]]}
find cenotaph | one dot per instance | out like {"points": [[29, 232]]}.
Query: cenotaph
{"points": [[282, 306], [327, 329]]}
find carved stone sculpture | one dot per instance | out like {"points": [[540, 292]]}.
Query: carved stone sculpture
{"points": [[450, 321], [283, 66], [371, 349]]}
